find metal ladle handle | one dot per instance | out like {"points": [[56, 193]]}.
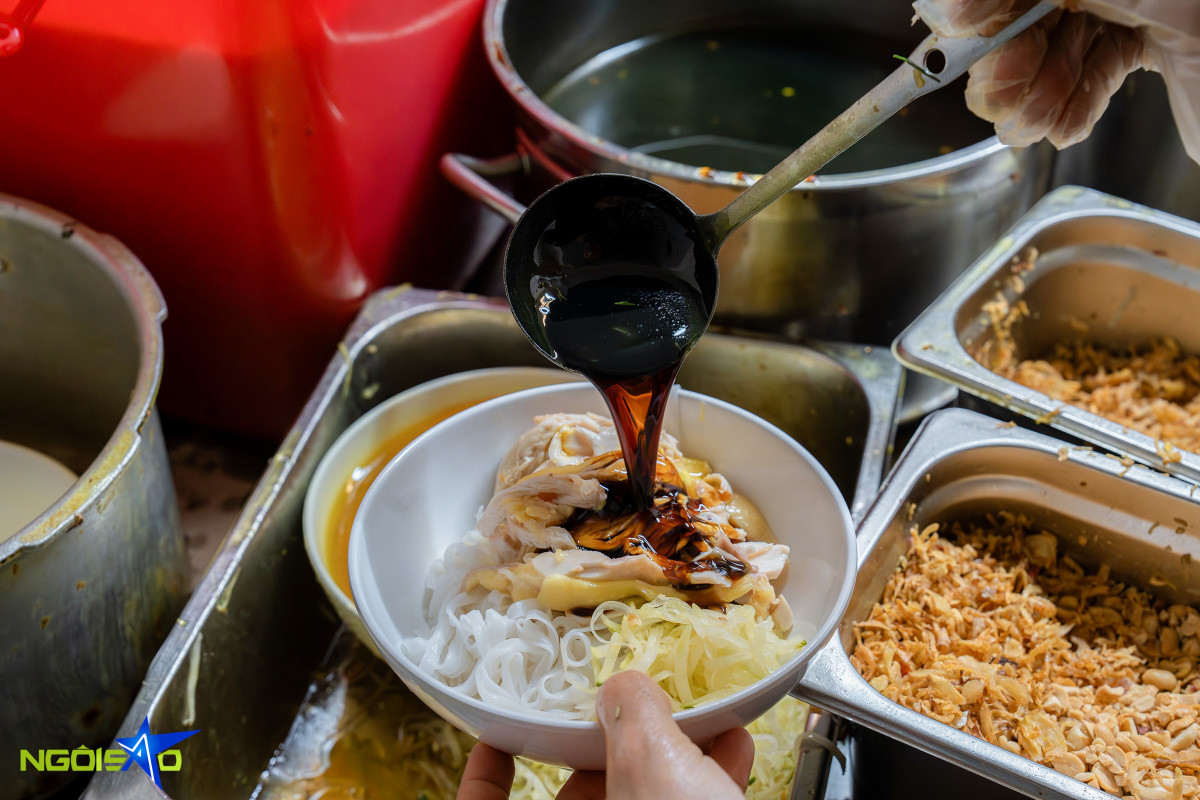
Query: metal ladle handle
{"points": [[919, 76]]}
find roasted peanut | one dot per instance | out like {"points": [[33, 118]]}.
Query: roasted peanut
{"points": [[1160, 679], [1186, 737]]}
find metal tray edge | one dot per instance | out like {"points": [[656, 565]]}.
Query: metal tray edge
{"points": [[882, 380]]}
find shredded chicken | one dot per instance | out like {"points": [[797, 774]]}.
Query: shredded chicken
{"points": [[989, 630], [564, 440], [525, 579], [1152, 387], [566, 464]]}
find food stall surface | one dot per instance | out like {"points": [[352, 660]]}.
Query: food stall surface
{"points": [[257, 629]]}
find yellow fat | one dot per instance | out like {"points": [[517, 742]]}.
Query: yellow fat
{"points": [[563, 593]]}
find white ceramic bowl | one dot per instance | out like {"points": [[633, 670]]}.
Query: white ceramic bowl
{"points": [[428, 496], [359, 443]]}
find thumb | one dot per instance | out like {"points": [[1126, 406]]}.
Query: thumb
{"points": [[636, 716], [648, 756]]}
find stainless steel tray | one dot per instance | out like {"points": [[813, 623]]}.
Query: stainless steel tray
{"points": [[1139, 521], [1130, 273], [239, 661]]}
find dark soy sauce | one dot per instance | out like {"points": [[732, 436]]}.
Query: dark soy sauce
{"points": [[621, 301], [672, 534]]}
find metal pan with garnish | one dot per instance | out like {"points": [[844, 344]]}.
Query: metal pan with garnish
{"points": [[1100, 569], [1082, 317]]}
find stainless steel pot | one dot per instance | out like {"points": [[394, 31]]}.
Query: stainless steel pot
{"points": [[851, 257], [89, 589]]}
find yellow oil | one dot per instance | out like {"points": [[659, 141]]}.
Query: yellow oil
{"points": [[341, 515]]}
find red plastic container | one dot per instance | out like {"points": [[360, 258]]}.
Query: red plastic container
{"points": [[272, 162]]}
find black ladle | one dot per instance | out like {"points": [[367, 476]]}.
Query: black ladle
{"points": [[627, 238]]}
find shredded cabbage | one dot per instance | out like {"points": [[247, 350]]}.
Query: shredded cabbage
{"points": [[537, 781], [697, 655], [775, 735]]}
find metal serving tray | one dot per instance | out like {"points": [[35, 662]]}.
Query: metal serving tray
{"points": [[1142, 523], [246, 646], [1127, 272]]}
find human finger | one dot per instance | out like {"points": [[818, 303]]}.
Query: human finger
{"points": [[583, 785], [1113, 56], [636, 716], [648, 756], [488, 775], [734, 752], [1001, 78], [1036, 113]]}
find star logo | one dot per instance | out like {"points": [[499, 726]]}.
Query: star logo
{"points": [[143, 748]]}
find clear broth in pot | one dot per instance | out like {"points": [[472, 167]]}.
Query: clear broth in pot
{"points": [[743, 98]]}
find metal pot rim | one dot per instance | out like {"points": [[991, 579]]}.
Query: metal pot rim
{"points": [[146, 305], [640, 163]]}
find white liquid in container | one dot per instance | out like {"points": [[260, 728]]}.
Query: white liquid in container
{"points": [[30, 482]]}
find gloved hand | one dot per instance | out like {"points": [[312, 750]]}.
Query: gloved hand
{"points": [[1055, 79]]}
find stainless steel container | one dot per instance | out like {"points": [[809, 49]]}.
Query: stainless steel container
{"points": [[846, 257], [1138, 521], [1128, 272], [88, 590], [238, 663]]}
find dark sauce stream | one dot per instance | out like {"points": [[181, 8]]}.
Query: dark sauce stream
{"points": [[619, 287], [620, 303], [627, 332]]}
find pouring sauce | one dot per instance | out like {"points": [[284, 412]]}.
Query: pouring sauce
{"points": [[617, 288], [620, 303]]}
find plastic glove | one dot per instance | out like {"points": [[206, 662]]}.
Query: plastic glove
{"points": [[1055, 79]]}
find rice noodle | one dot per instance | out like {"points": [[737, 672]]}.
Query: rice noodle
{"points": [[517, 656], [521, 656]]}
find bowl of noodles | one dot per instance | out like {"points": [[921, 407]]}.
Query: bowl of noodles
{"points": [[502, 574]]}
